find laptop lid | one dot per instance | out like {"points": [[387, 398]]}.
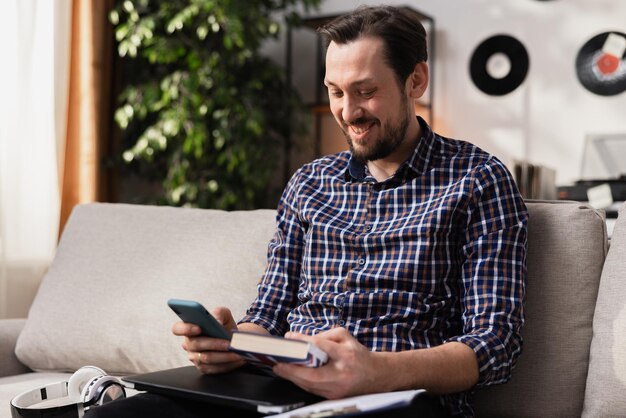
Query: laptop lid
{"points": [[244, 388]]}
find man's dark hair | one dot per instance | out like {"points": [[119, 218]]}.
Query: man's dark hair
{"points": [[400, 29]]}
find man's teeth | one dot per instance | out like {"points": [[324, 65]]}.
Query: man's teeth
{"points": [[360, 130]]}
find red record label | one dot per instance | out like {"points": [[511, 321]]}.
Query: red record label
{"points": [[601, 64]]}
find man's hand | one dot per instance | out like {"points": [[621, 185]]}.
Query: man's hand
{"points": [[210, 355], [351, 368]]}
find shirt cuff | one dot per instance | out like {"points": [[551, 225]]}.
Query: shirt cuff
{"points": [[494, 364]]}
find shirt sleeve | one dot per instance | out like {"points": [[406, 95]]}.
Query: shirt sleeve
{"points": [[494, 273], [277, 290]]}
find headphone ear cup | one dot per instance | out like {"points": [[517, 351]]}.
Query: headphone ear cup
{"points": [[102, 389], [80, 379]]}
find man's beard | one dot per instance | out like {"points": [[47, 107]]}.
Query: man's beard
{"points": [[390, 139]]}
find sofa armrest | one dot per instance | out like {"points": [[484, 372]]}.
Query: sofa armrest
{"points": [[9, 331]]}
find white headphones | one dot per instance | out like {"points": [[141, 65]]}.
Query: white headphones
{"points": [[89, 386]]}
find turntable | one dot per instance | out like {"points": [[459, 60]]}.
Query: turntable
{"points": [[603, 174]]}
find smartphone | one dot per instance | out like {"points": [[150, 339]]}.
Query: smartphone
{"points": [[193, 312]]}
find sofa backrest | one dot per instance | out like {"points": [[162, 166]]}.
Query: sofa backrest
{"points": [[567, 245], [103, 299]]}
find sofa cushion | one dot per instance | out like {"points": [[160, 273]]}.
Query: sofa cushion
{"points": [[606, 383], [103, 300], [566, 249]]}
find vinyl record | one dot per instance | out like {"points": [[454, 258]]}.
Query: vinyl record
{"points": [[499, 65], [601, 64]]}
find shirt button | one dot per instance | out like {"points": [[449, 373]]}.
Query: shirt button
{"points": [[368, 228], [361, 261], [342, 322]]}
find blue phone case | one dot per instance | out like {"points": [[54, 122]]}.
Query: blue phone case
{"points": [[193, 312]]}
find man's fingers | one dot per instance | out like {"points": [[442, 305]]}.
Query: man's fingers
{"points": [[214, 357], [215, 362], [199, 344], [185, 329], [222, 314]]}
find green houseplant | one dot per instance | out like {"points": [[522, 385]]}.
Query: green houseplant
{"points": [[202, 111]]}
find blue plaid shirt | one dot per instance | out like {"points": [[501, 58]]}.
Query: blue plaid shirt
{"points": [[436, 253]]}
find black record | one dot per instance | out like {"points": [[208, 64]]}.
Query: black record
{"points": [[600, 72], [499, 65]]}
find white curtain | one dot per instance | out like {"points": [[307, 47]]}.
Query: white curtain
{"points": [[34, 47]]}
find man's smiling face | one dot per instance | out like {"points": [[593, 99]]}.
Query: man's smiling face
{"points": [[366, 99]]}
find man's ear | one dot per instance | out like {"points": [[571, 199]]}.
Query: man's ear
{"points": [[418, 80]]}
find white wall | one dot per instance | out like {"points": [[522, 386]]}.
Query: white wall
{"points": [[546, 119]]}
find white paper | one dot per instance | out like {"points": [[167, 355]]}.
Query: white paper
{"points": [[600, 197], [614, 45], [354, 404]]}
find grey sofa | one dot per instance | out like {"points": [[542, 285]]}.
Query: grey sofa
{"points": [[103, 302]]}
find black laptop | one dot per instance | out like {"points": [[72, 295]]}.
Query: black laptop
{"points": [[244, 388]]}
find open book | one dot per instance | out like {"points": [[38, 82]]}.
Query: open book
{"points": [[354, 405], [268, 350]]}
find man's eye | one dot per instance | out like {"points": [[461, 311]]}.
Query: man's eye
{"points": [[367, 93], [336, 93]]}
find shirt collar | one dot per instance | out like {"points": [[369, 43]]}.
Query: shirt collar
{"points": [[418, 162]]}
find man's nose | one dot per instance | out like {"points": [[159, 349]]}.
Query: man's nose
{"points": [[351, 110]]}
